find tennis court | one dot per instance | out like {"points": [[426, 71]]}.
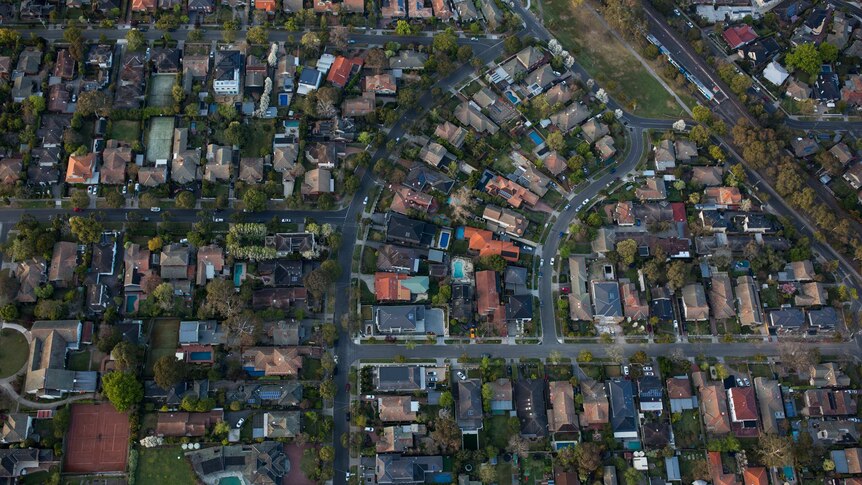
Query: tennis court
{"points": [[159, 139], [98, 439], [161, 90]]}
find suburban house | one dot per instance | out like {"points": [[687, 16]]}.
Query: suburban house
{"points": [[226, 72], [650, 394], [769, 398], [713, 409], [694, 303], [501, 400], [399, 378], [397, 409], [531, 408], [272, 361], [596, 407], [176, 424], [680, 395], [47, 376], [392, 469], [469, 411], [562, 417], [623, 414]]}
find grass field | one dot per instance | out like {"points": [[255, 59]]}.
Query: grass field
{"points": [[159, 138], [687, 430], [79, 361], [158, 466], [164, 338], [260, 141], [606, 59], [160, 94], [13, 352], [128, 131]]}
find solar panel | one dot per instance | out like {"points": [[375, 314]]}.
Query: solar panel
{"points": [[234, 461], [211, 466], [270, 394]]}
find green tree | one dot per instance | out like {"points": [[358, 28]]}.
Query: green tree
{"points": [[254, 200], [446, 400], [702, 114], [93, 102], [677, 272], [402, 27], [445, 42], [9, 312], [257, 35], [628, 251], [512, 44], [236, 133], [805, 57], [556, 141], [114, 199], [328, 389], [80, 199], [125, 354], [493, 262], [828, 53], [168, 371], [135, 39], [775, 451], [122, 389], [86, 229], [164, 296], [186, 200]]}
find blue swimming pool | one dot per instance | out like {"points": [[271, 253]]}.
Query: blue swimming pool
{"points": [[444, 240], [537, 139], [229, 481], [459, 233], [458, 269], [511, 97], [788, 473], [238, 270], [200, 356], [130, 303]]}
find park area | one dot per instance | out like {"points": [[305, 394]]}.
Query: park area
{"points": [[161, 466], [159, 139], [13, 352], [164, 339], [580, 30], [161, 87]]}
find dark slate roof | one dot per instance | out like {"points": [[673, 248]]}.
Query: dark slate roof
{"points": [[519, 307], [650, 389], [621, 397], [532, 410], [400, 228]]}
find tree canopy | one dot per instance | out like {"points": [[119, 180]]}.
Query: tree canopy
{"points": [[122, 389]]}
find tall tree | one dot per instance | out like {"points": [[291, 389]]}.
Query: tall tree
{"points": [[122, 389], [168, 371]]}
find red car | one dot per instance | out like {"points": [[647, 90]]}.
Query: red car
{"points": [[77, 209]]}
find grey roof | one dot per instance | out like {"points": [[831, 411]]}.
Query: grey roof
{"points": [[398, 469], [404, 318], [531, 407], [519, 307], [400, 378], [606, 299], [402, 229], [470, 404], [787, 318], [226, 62], [622, 406]]}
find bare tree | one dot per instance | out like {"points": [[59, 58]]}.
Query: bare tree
{"points": [[615, 354], [797, 356], [519, 445]]}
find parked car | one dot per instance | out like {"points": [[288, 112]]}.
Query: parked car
{"points": [[626, 370], [461, 375], [240, 423], [155, 209]]}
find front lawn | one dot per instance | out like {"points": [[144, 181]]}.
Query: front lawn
{"points": [[13, 352], [580, 30], [159, 466], [164, 338]]}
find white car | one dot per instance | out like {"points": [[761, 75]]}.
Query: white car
{"points": [[552, 261], [461, 375], [218, 219], [155, 209], [286, 219], [240, 422], [625, 370], [125, 190], [365, 202]]}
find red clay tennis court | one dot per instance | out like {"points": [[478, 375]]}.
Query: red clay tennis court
{"points": [[98, 439]]}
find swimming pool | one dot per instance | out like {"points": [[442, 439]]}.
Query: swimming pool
{"points": [[200, 356], [459, 233], [537, 139], [130, 303], [458, 269], [238, 270], [229, 481], [511, 97], [444, 239]]}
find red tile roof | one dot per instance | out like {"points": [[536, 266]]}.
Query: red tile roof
{"points": [[755, 476], [743, 407], [739, 35], [483, 241], [387, 287], [339, 73], [486, 288]]}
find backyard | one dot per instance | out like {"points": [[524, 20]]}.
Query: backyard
{"points": [[13, 352], [606, 59], [127, 131], [686, 429], [260, 140], [157, 466], [495, 432], [164, 337]]}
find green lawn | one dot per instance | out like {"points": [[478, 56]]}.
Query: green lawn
{"points": [[504, 473], [495, 432], [687, 429], [13, 352], [608, 61], [164, 338], [128, 131], [260, 138], [159, 466]]}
